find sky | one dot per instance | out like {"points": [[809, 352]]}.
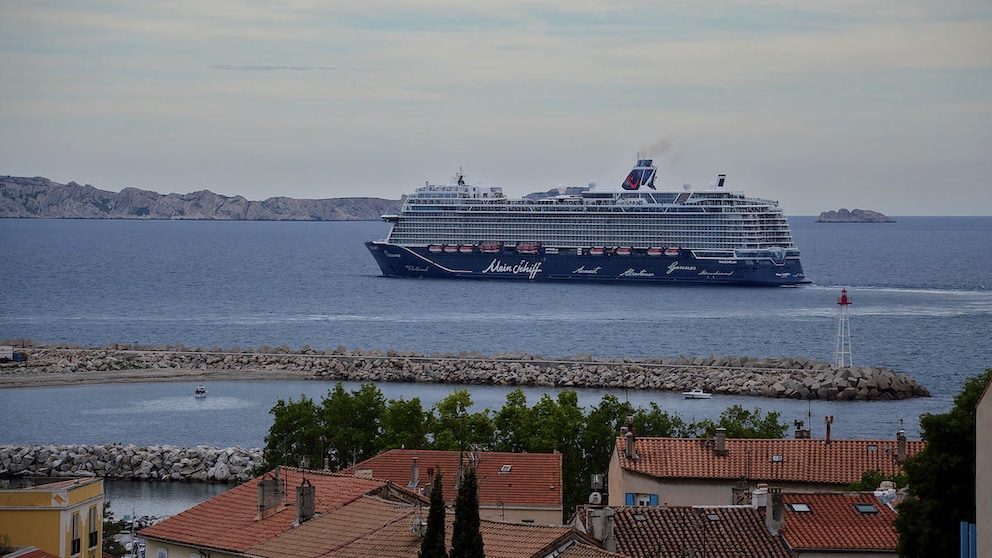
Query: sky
{"points": [[820, 105]]}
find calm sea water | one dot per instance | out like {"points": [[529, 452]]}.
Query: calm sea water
{"points": [[922, 292]]}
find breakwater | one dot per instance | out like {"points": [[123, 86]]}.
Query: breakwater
{"points": [[784, 377], [113, 461]]}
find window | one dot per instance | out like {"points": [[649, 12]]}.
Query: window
{"points": [[800, 507], [641, 499], [76, 542], [866, 508], [94, 527]]}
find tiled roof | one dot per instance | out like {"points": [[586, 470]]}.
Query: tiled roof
{"points": [[374, 528], [31, 552], [833, 523], [714, 532], [228, 521], [521, 479], [583, 550], [796, 460]]}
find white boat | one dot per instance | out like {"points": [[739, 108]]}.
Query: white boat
{"points": [[200, 392], [696, 393]]}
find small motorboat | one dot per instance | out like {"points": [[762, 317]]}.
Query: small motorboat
{"points": [[200, 392], [696, 393]]}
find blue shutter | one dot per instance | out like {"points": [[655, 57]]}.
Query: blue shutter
{"points": [[630, 498], [654, 499]]}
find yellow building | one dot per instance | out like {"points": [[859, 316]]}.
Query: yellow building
{"points": [[64, 518]]}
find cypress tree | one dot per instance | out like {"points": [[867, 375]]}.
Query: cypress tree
{"points": [[466, 537], [433, 544]]}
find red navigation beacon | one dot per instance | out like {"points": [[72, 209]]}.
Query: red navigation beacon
{"points": [[843, 300]]}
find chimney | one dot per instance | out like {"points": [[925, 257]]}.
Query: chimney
{"points": [[629, 451], [414, 474], [721, 441], [775, 511], [801, 433], [270, 494], [306, 497], [601, 527], [901, 446], [828, 420], [759, 497], [720, 179]]}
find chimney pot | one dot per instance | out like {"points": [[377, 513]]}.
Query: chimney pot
{"points": [[775, 511], [901, 445]]}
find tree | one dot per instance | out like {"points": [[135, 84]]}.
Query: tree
{"points": [[432, 546], [466, 536], [404, 425], [559, 427], [871, 480], [352, 423], [942, 478], [295, 435], [514, 423], [741, 423], [453, 428], [655, 422], [111, 529]]}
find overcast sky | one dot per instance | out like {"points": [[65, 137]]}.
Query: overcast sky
{"points": [[877, 104]]}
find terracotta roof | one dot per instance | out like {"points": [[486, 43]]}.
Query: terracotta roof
{"points": [[715, 532], [583, 550], [796, 460], [833, 523], [31, 552], [521, 479], [228, 521]]}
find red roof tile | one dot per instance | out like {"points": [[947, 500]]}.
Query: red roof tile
{"points": [[230, 521], [583, 550], [717, 532], [833, 523], [523, 479], [795, 460]]}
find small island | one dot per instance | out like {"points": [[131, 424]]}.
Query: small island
{"points": [[856, 216]]}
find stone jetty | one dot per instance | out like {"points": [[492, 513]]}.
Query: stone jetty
{"points": [[152, 463], [785, 377]]}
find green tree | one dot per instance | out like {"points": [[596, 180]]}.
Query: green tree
{"points": [[432, 546], [942, 478], [514, 423], [295, 435], [466, 534], [454, 428], [559, 427], [741, 423], [352, 424], [111, 529], [404, 425], [655, 422], [870, 480]]}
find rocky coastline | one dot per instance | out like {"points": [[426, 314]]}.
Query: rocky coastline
{"points": [[785, 377], [853, 216], [144, 463]]}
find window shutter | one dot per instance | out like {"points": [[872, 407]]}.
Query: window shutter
{"points": [[654, 499], [630, 498]]}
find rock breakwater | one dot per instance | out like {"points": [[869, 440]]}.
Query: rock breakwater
{"points": [[153, 463], [798, 378]]}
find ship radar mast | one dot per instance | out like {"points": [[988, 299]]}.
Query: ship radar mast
{"points": [[843, 332]]}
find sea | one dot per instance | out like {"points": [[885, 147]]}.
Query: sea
{"points": [[921, 290]]}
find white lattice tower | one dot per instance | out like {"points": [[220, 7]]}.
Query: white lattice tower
{"points": [[843, 332]]}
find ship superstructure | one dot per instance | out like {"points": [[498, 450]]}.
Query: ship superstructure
{"points": [[628, 233]]}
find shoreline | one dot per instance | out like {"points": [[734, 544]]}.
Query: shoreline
{"points": [[33, 379]]}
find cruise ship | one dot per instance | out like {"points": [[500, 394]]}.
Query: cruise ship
{"points": [[631, 233]]}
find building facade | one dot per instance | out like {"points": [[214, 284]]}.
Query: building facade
{"points": [[62, 517]]}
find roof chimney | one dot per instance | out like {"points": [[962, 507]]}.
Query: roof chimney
{"points": [[901, 446], [601, 527], [759, 497], [306, 497], [270, 494], [414, 474], [801, 433], [721, 441], [828, 420], [775, 511]]}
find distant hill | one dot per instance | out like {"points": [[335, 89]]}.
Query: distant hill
{"points": [[856, 216], [22, 197]]}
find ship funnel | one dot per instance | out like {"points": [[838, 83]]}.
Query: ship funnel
{"points": [[720, 179], [642, 175]]}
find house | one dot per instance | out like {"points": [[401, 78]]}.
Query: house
{"points": [[63, 517], [983, 473], [722, 471], [513, 487], [299, 513], [839, 525]]}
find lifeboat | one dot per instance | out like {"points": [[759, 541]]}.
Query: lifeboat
{"points": [[526, 248], [451, 248], [435, 248], [623, 251], [489, 248], [466, 249], [597, 251], [672, 252], [655, 251]]}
